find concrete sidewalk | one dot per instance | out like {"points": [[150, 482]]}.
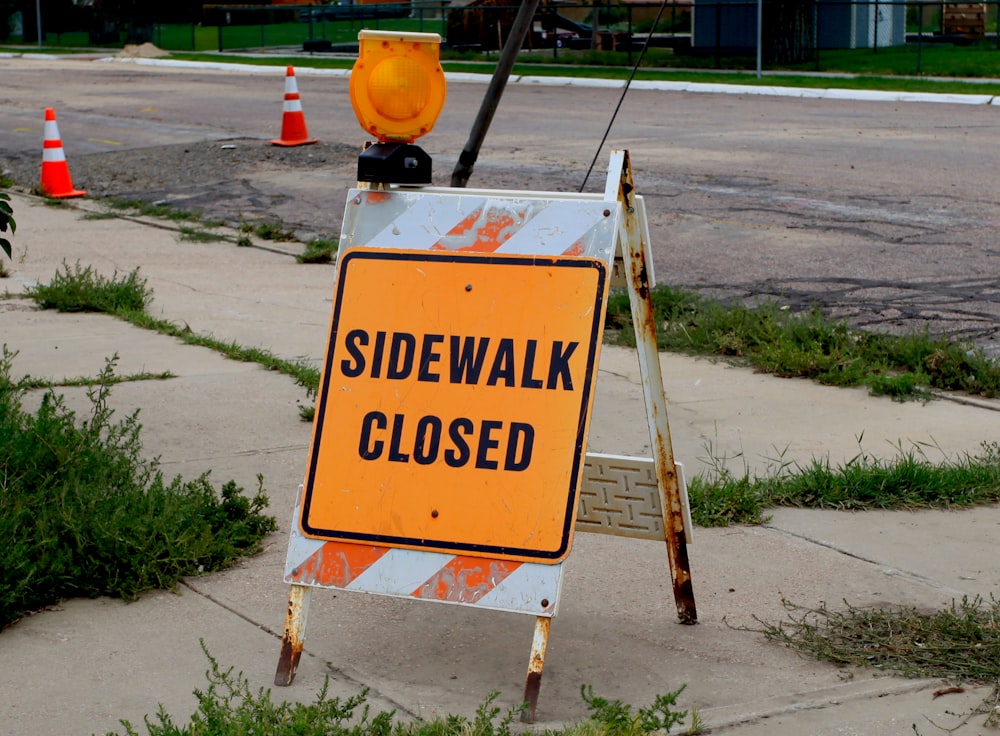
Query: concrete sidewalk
{"points": [[79, 668]]}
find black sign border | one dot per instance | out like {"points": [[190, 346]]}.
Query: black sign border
{"points": [[436, 545]]}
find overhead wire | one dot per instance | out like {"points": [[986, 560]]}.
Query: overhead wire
{"points": [[628, 82]]}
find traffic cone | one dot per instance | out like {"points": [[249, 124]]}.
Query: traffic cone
{"points": [[56, 181], [293, 121]]}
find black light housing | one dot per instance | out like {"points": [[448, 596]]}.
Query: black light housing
{"points": [[394, 163]]}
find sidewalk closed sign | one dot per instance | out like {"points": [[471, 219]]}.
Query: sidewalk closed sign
{"points": [[455, 401]]}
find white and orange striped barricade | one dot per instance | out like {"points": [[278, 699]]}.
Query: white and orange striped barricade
{"points": [[449, 443]]}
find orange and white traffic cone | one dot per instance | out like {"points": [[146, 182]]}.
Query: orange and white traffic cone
{"points": [[56, 181], [293, 121]]}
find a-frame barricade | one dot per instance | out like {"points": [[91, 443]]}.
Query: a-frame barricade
{"points": [[509, 428]]}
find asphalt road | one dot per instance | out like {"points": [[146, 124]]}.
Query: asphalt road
{"points": [[885, 213]]}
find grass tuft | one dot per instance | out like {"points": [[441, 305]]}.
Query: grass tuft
{"points": [[910, 480], [810, 345], [86, 515], [197, 235], [230, 706], [273, 230], [318, 250], [81, 289], [958, 643]]}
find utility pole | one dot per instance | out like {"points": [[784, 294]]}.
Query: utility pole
{"points": [[518, 32]]}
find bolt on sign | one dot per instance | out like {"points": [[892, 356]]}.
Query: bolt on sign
{"points": [[455, 402]]}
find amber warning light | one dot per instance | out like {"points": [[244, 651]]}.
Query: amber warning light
{"points": [[397, 92]]}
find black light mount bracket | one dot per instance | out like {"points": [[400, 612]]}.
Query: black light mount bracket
{"points": [[394, 163]]}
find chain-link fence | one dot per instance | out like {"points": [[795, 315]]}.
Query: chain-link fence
{"points": [[873, 36]]}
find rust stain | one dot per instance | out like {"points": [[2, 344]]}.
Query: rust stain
{"points": [[645, 325], [533, 683], [287, 663], [377, 197], [575, 250], [294, 636], [531, 689], [948, 691]]}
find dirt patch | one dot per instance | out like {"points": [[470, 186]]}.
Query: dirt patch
{"points": [[228, 180], [143, 51], [248, 179]]}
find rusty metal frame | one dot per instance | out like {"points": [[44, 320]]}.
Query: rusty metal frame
{"points": [[633, 239], [536, 662], [293, 639], [633, 243]]}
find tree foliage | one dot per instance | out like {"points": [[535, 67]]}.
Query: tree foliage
{"points": [[6, 222]]}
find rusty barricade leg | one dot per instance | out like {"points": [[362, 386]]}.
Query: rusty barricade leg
{"points": [[539, 642], [633, 233], [295, 634]]}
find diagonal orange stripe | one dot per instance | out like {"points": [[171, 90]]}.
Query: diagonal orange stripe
{"points": [[337, 563], [466, 579], [490, 235]]}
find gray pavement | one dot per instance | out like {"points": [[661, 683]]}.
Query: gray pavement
{"points": [[85, 664]]}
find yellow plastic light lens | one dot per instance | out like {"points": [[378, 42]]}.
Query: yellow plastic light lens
{"points": [[397, 85], [398, 89]]}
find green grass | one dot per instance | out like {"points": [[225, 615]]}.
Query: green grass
{"points": [[810, 345], [84, 514], [273, 230], [81, 289], [876, 71], [207, 38], [198, 235], [141, 208], [959, 644], [318, 250], [298, 370], [978, 60], [229, 706], [909, 480], [28, 383]]}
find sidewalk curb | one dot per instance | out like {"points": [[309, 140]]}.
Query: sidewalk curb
{"points": [[832, 93]]}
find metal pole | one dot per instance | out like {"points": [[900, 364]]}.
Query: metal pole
{"points": [[875, 39], [634, 231], [38, 21], [920, 33], [536, 664], [629, 35], [760, 36], [518, 32], [295, 633], [718, 35]]}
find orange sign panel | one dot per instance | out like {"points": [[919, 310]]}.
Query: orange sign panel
{"points": [[455, 402]]}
